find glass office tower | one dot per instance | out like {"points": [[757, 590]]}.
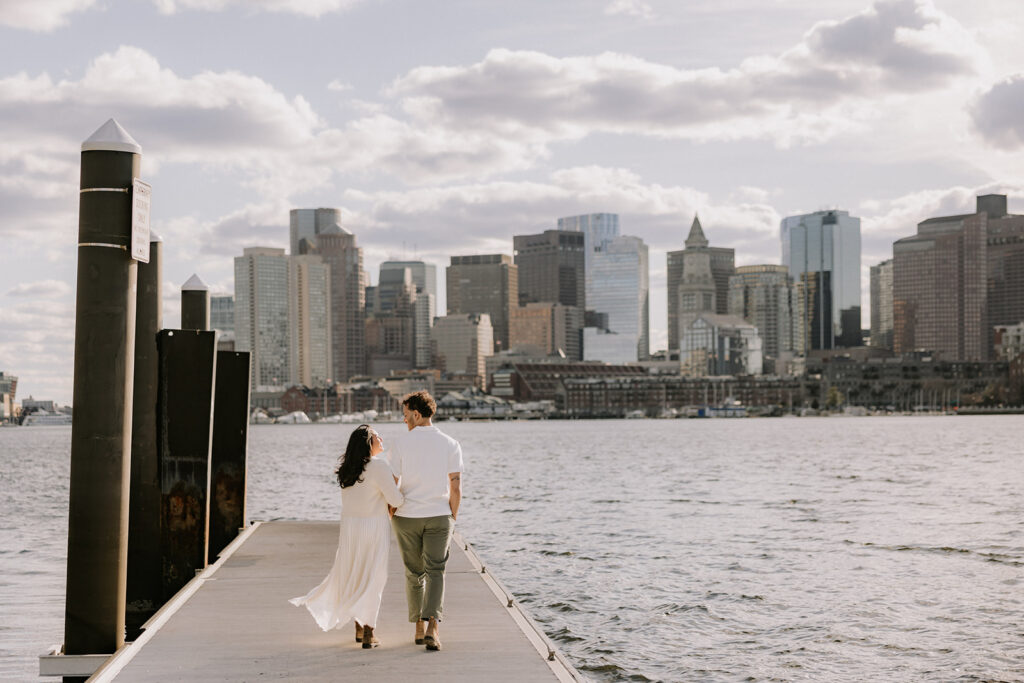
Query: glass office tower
{"points": [[822, 251]]}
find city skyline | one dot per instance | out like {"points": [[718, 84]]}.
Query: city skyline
{"points": [[743, 115]]}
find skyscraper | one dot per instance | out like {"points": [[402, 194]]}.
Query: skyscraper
{"points": [[552, 270], [822, 251], [222, 313], [485, 283], [719, 261], [424, 275], [881, 305], [261, 316], [620, 291], [337, 247], [309, 297], [763, 296], [391, 323], [306, 224], [597, 228], [956, 279]]}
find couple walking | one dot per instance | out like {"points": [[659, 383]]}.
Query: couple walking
{"points": [[419, 485]]}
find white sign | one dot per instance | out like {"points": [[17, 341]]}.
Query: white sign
{"points": [[141, 194]]}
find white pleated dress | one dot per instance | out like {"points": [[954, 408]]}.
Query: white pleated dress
{"points": [[353, 588]]}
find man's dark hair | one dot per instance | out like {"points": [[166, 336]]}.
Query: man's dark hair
{"points": [[422, 402]]}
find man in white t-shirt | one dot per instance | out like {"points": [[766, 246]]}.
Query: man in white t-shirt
{"points": [[427, 464]]}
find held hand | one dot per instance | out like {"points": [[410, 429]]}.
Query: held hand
{"points": [[391, 510]]}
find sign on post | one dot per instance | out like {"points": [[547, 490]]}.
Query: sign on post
{"points": [[141, 193]]}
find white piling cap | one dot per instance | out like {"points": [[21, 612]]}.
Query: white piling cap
{"points": [[154, 237], [111, 137], [195, 283]]}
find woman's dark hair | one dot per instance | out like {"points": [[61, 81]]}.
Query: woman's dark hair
{"points": [[357, 454], [422, 402]]}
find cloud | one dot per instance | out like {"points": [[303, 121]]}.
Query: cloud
{"points": [[41, 289], [996, 114], [827, 83], [40, 15], [633, 8], [309, 8]]}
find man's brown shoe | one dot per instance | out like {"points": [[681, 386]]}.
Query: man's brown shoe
{"points": [[431, 637], [420, 626], [359, 632]]}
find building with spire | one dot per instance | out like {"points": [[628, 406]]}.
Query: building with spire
{"points": [[698, 282]]}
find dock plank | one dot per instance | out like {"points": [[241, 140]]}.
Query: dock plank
{"points": [[239, 626]]}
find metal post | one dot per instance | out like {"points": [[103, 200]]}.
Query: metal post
{"points": [[104, 367], [144, 589], [195, 304]]}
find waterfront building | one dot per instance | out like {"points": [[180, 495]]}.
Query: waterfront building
{"points": [[597, 228], [706, 281], [484, 283], [533, 379], [661, 395], [822, 252], [958, 278], [262, 317], [716, 344], [306, 224], [911, 381], [309, 299], [424, 310], [462, 343], [881, 305], [763, 296], [222, 313], [620, 293], [1009, 341], [8, 393], [337, 247]]}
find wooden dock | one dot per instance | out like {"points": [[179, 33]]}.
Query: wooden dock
{"points": [[234, 623]]}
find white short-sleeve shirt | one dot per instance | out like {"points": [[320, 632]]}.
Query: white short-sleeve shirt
{"points": [[422, 459]]}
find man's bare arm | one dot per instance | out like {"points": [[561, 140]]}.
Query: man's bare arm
{"points": [[455, 497]]}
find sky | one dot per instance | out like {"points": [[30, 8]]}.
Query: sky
{"points": [[445, 128]]}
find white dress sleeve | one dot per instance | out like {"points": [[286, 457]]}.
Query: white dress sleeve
{"points": [[382, 476]]}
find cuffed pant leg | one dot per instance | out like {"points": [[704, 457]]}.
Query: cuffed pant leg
{"points": [[409, 534], [437, 538]]}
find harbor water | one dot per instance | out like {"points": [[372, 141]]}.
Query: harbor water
{"points": [[789, 549]]}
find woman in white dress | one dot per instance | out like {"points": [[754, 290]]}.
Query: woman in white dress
{"points": [[353, 588]]}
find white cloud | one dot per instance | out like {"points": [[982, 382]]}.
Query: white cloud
{"points": [[41, 289], [831, 81], [997, 114], [633, 8], [40, 15], [310, 8]]}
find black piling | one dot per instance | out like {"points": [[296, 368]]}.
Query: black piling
{"points": [[188, 361], [144, 590], [104, 365], [228, 459]]}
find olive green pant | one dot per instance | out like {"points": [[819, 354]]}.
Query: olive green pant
{"points": [[424, 543]]}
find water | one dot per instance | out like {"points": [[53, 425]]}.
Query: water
{"points": [[837, 549]]}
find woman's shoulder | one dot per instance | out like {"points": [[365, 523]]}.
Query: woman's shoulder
{"points": [[379, 463]]}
